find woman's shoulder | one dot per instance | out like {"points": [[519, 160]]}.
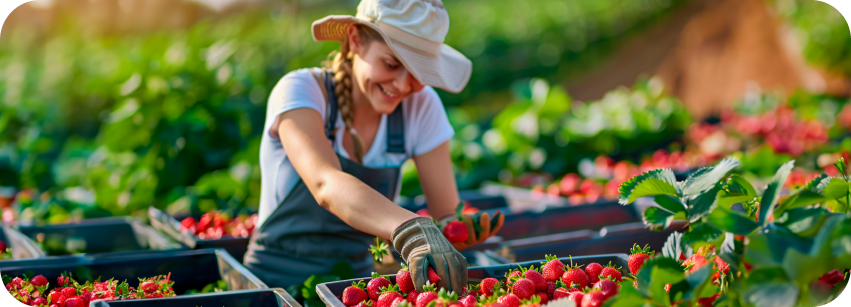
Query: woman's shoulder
{"points": [[300, 75]]}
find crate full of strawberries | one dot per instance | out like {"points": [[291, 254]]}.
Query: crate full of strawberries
{"points": [[210, 230], [99, 235], [509, 285], [68, 292]]}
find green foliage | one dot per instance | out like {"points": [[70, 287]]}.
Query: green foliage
{"points": [[823, 32]]}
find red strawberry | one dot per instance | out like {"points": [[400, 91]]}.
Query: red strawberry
{"points": [[512, 275], [488, 285], [576, 297], [455, 231], [509, 300], [543, 297], [366, 303], [637, 257], [38, 301], [695, 262], [75, 302], [723, 267], [354, 294], [17, 282], [432, 276], [537, 279], [397, 301], [553, 269], [88, 297], [63, 281], [707, 301], [833, 277], [610, 272], [426, 297], [607, 287], [469, 301], [403, 279], [551, 289], [524, 289], [412, 297], [374, 286], [560, 293], [149, 287], [69, 292], [593, 272], [575, 276], [386, 299], [39, 281], [668, 288], [593, 299]]}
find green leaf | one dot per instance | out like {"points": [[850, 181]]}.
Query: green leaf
{"points": [[657, 218], [772, 294], [702, 204], [731, 221], [803, 198], [626, 297], [701, 232], [670, 203], [655, 273], [767, 249], [739, 184], [802, 220], [836, 188], [816, 182], [698, 282], [706, 178], [772, 192], [651, 183], [840, 165], [673, 246], [343, 270]]}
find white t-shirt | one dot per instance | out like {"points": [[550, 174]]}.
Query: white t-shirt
{"points": [[426, 127]]}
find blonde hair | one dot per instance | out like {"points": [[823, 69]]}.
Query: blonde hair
{"points": [[341, 67]]}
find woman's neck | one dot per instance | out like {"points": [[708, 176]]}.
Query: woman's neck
{"points": [[364, 114]]}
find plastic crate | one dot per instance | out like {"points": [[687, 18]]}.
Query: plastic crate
{"points": [[275, 297], [525, 224], [21, 245], [611, 239], [190, 269], [481, 199], [100, 235], [328, 292], [170, 225]]}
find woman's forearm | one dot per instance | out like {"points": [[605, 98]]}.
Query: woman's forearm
{"points": [[360, 206]]}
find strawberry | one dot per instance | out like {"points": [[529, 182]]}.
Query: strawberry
{"points": [[611, 272], [88, 297], [576, 297], [17, 282], [668, 287], [469, 301], [57, 298], [607, 287], [432, 276], [447, 299], [833, 277], [542, 296], [455, 231], [374, 286], [39, 281], [38, 301], [488, 285], [512, 276], [63, 281], [551, 289], [69, 292], [412, 297], [75, 302], [575, 276], [524, 289], [553, 269], [723, 267], [366, 303], [593, 272], [354, 294], [707, 301], [593, 299], [387, 297], [560, 293], [188, 224], [403, 279], [695, 262], [637, 257], [425, 297], [537, 279], [509, 300], [149, 287]]}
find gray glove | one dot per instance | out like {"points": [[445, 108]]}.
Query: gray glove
{"points": [[422, 245]]}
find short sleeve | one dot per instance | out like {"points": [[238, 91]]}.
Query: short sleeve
{"points": [[430, 125], [297, 89]]}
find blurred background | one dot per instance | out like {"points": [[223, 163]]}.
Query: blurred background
{"points": [[110, 106]]}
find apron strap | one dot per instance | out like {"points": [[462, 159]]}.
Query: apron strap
{"points": [[396, 131]]}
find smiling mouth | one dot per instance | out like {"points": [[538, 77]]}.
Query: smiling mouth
{"points": [[386, 92]]}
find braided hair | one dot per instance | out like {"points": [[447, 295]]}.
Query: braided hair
{"points": [[341, 67]]}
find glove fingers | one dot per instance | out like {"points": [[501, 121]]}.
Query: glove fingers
{"points": [[457, 272], [460, 246], [500, 219], [471, 231], [485, 223], [418, 267], [441, 267]]}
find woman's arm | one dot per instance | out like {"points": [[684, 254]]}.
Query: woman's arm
{"points": [[303, 137], [438, 181]]}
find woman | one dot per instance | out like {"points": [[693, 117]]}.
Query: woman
{"points": [[336, 139]]}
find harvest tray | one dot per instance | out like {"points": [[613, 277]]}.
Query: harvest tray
{"points": [[275, 297], [99, 235], [22, 247], [190, 269], [328, 292], [170, 225]]}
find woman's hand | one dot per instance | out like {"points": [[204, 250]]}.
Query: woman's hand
{"points": [[488, 229], [422, 246]]}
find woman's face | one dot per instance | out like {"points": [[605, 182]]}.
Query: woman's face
{"points": [[379, 74]]}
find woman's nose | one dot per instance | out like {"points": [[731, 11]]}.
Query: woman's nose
{"points": [[407, 83]]}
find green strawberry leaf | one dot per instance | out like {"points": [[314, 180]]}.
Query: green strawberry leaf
{"points": [[459, 209], [673, 246], [701, 232], [654, 274], [769, 287], [731, 221], [651, 183], [698, 281], [707, 177], [767, 249], [772, 192], [627, 297], [657, 218], [670, 203], [803, 198], [803, 221], [701, 205], [739, 184], [816, 182]]}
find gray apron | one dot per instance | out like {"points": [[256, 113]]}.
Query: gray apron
{"points": [[301, 238]]}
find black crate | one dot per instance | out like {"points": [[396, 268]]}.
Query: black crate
{"points": [[611, 239], [170, 225], [21, 245], [482, 200], [328, 292], [190, 269], [276, 297], [100, 235], [564, 219]]}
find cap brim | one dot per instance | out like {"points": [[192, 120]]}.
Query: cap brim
{"points": [[447, 68]]}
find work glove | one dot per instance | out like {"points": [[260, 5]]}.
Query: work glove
{"points": [[422, 246], [480, 226]]}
